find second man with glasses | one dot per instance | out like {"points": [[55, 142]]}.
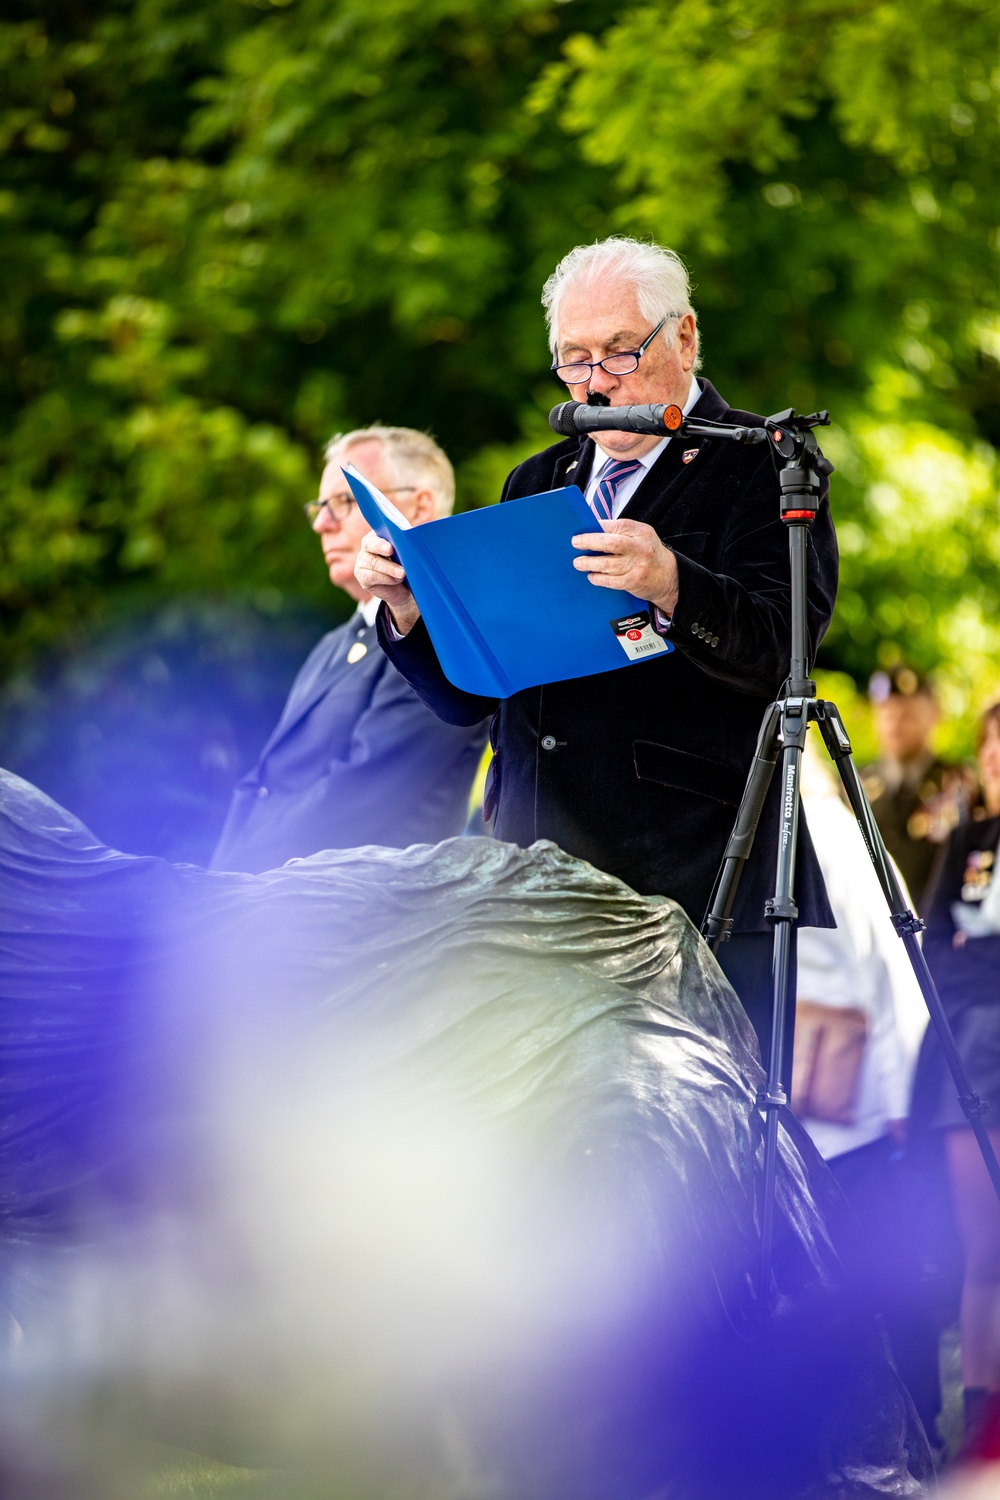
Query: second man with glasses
{"points": [[356, 758]]}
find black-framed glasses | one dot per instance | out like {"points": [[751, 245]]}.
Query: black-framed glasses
{"points": [[624, 363], [341, 504]]}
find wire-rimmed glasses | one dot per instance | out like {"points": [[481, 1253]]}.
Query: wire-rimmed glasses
{"points": [[342, 504], [624, 363]]}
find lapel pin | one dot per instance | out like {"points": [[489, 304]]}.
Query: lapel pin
{"points": [[572, 466], [688, 454], [357, 651]]}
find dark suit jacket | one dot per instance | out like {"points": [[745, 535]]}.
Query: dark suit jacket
{"points": [[900, 813], [356, 759], [970, 975], [640, 770]]}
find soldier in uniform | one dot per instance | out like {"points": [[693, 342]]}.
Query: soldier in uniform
{"points": [[916, 797]]}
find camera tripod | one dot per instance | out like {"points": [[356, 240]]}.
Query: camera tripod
{"points": [[785, 723]]}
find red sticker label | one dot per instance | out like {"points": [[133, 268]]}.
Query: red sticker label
{"points": [[634, 635]]}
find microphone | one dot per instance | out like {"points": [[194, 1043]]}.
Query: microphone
{"points": [[571, 417]]}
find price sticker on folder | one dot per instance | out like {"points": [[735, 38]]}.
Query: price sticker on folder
{"points": [[637, 637]]}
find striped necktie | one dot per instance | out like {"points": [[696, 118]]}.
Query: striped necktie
{"points": [[614, 473]]}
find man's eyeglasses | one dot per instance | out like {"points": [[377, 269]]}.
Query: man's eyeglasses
{"points": [[624, 363], [341, 505]]}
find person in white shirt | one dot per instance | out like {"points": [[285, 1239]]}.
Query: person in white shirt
{"points": [[860, 1018]]}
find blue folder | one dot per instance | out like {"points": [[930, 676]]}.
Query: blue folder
{"points": [[503, 604]]}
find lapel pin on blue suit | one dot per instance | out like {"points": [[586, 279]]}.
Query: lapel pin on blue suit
{"points": [[357, 651], [688, 454]]}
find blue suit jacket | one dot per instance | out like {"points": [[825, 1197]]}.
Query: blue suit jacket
{"points": [[356, 758]]}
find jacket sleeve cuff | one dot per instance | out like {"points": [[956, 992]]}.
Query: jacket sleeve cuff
{"points": [[414, 657], [388, 625], [414, 645], [694, 621]]}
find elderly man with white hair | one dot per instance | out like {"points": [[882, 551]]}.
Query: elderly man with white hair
{"points": [[356, 758], [640, 771]]}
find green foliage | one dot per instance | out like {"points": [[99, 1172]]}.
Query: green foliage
{"points": [[231, 231], [114, 471], [828, 170], [231, 228]]}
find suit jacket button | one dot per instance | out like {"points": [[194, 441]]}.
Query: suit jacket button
{"points": [[262, 792], [549, 742], [715, 640], [694, 629]]}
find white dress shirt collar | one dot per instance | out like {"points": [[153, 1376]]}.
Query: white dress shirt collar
{"points": [[628, 486]]}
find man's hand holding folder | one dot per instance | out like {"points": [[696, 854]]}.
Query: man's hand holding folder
{"points": [[624, 555], [499, 594], [629, 555], [380, 574]]}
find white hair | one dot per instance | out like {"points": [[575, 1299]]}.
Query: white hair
{"points": [[413, 458], [658, 275]]}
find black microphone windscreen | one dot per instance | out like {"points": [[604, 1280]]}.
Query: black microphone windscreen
{"points": [[561, 418]]}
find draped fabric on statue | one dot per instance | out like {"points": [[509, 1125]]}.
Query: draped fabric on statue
{"points": [[457, 1149]]}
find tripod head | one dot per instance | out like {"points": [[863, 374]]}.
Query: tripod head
{"points": [[793, 438], [790, 432], [790, 437]]}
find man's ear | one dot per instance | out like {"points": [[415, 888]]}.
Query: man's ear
{"points": [[422, 507], [687, 340]]}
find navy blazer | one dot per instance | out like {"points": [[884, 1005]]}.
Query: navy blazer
{"points": [[640, 770], [356, 758]]}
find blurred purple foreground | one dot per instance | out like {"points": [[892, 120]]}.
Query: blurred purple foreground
{"points": [[432, 1172]]}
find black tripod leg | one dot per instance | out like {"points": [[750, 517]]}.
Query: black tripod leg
{"points": [[783, 912], [718, 922], [908, 926]]}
